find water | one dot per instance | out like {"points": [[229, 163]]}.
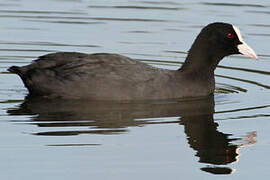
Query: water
{"points": [[225, 135]]}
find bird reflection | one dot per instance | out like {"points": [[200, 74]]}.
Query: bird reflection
{"points": [[213, 147]]}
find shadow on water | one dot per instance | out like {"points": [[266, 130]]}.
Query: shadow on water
{"points": [[213, 147]]}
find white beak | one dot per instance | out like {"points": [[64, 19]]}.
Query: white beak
{"points": [[244, 48]]}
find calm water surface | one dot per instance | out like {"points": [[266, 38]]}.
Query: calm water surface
{"points": [[216, 137]]}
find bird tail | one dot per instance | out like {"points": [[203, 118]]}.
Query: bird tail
{"points": [[16, 70]]}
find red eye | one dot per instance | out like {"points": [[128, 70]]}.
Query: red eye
{"points": [[230, 35]]}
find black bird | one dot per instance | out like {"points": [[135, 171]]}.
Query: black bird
{"points": [[102, 76]]}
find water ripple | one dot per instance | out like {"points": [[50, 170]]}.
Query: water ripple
{"points": [[41, 43], [66, 22], [78, 132], [87, 18], [72, 145], [245, 69], [255, 116], [227, 88], [26, 50], [259, 34], [259, 12], [243, 109], [139, 7], [233, 4], [161, 2], [260, 25], [39, 12]]}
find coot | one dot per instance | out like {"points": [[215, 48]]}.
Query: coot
{"points": [[103, 76]]}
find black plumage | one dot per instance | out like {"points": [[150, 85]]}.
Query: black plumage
{"points": [[103, 76]]}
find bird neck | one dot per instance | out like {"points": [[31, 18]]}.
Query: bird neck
{"points": [[201, 61]]}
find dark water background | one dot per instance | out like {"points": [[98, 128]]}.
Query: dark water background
{"points": [[227, 134]]}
